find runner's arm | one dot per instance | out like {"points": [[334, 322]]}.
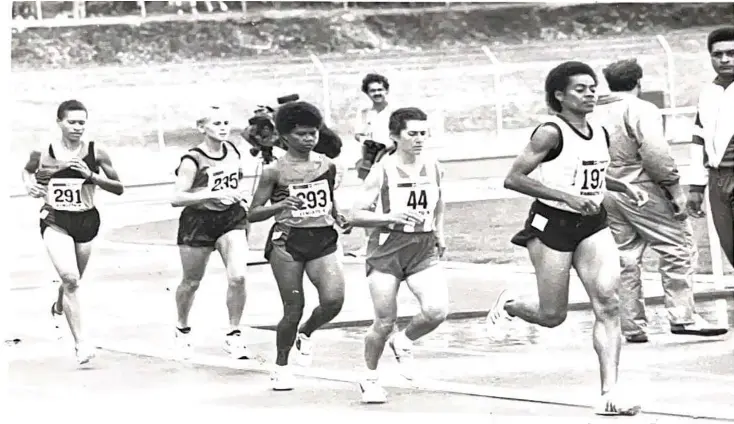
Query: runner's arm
{"points": [[30, 168], [542, 142], [363, 214], [614, 184], [440, 207], [110, 181], [183, 196], [266, 185]]}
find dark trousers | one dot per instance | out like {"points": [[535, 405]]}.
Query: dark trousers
{"points": [[721, 197]]}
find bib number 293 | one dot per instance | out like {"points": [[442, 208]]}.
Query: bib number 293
{"points": [[314, 198]]}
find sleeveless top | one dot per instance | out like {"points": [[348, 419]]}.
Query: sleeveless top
{"points": [[68, 190], [578, 165], [312, 181], [215, 174], [402, 191]]}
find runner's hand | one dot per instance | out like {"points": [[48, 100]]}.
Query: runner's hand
{"points": [[36, 190], [291, 203], [638, 195], [582, 205], [405, 218], [80, 166]]}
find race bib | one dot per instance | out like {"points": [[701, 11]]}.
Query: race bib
{"points": [[591, 177], [65, 194], [223, 178], [315, 196], [418, 197]]}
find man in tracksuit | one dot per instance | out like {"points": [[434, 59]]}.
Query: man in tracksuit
{"points": [[640, 155], [713, 141]]}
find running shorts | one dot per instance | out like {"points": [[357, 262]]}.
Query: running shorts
{"points": [[203, 227], [82, 227], [400, 254], [294, 244], [558, 229]]}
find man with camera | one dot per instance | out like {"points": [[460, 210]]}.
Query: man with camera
{"points": [[371, 127]]}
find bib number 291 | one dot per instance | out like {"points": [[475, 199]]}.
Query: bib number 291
{"points": [[73, 196]]}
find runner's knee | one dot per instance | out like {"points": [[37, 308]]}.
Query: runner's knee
{"points": [[435, 313], [606, 301], [69, 280], [332, 302], [236, 282], [190, 284], [552, 317], [293, 311], [384, 325]]}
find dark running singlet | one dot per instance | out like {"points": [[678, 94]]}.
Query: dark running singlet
{"points": [[68, 190], [313, 182], [214, 174]]}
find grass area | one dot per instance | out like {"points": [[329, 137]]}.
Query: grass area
{"points": [[477, 232], [460, 91]]}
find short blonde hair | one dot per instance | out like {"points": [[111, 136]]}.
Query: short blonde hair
{"points": [[207, 112]]}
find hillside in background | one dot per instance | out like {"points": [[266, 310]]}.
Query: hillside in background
{"points": [[348, 31]]}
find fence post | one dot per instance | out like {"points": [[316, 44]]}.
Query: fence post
{"points": [[671, 70], [143, 11], [160, 116], [325, 82], [39, 10], [499, 97]]}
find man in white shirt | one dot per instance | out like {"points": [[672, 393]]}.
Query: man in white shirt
{"points": [[712, 152], [371, 126]]}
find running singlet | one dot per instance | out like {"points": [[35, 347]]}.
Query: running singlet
{"points": [[68, 190], [311, 181], [580, 167], [401, 191], [215, 174]]}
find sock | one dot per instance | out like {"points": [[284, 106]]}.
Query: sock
{"points": [[401, 340], [372, 375]]}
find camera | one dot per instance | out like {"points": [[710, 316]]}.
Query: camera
{"points": [[261, 133], [372, 152]]}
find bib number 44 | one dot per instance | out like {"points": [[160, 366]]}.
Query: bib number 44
{"points": [[417, 199]]}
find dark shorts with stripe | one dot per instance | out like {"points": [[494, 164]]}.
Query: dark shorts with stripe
{"points": [[203, 227], [295, 244], [82, 227], [558, 229], [401, 254]]}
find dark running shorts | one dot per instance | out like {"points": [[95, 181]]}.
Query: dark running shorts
{"points": [[82, 227], [561, 230], [202, 228], [400, 254], [300, 244]]}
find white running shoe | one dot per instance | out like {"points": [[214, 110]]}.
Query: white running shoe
{"points": [[372, 392], [497, 317], [84, 353], [235, 346], [304, 349], [612, 404], [282, 379], [402, 348], [182, 345]]}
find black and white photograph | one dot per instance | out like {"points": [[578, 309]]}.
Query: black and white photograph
{"points": [[489, 211]]}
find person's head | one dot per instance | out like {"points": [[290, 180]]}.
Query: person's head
{"points": [[624, 75], [376, 87], [71, 117], [214, 123], [409, 129], [721, 48], [571, 86], [298, 123]]}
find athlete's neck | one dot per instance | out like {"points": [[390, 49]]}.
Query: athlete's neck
{"points": [[297, 156], [212, 145], [575, 119], [407, 158], [70, 144]]}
